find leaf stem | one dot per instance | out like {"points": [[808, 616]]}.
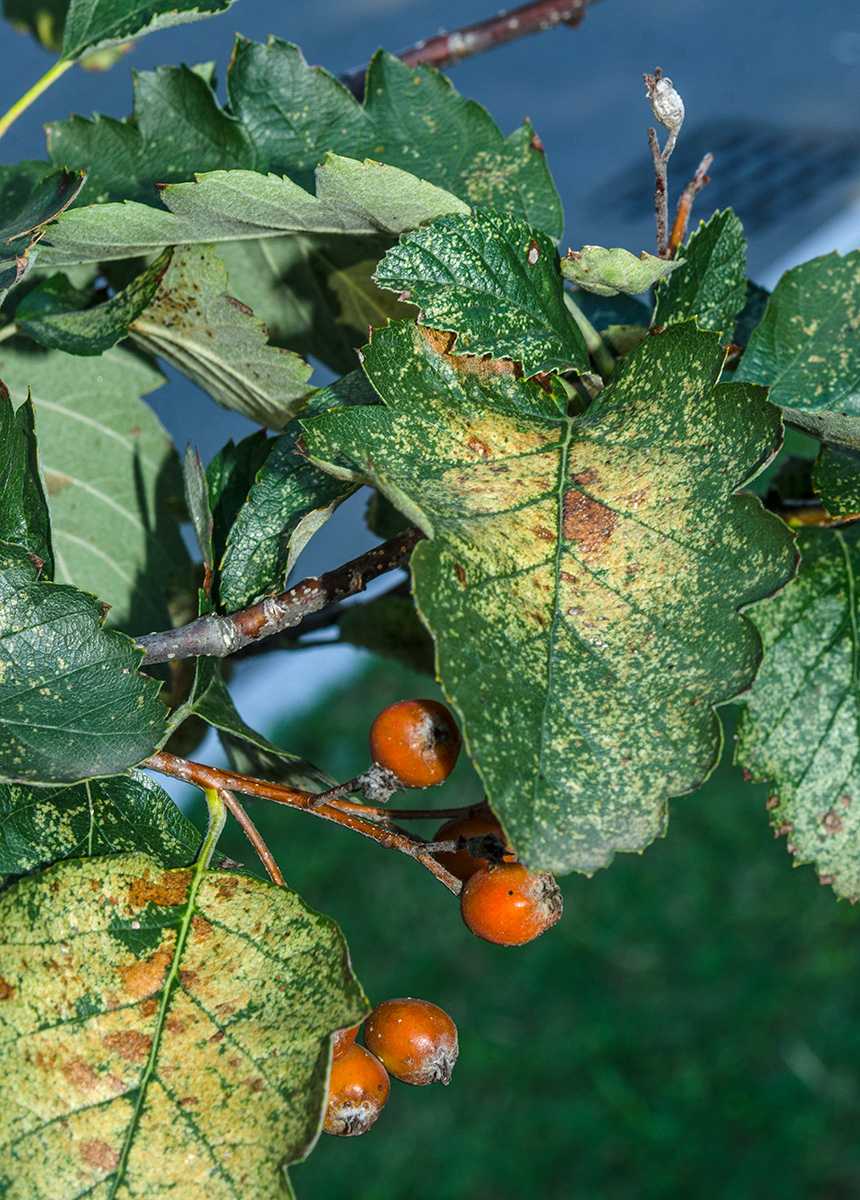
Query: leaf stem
{"points": [[217, 817], [220, 781], [255, 838], [446, 49], [597, 348], [214, 636], [59, 68]]}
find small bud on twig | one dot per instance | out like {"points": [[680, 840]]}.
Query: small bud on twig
{"points": [[666, 104]]}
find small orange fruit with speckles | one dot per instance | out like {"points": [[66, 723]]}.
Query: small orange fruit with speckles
{"points": [[415, 1041], [509, 904], [358, 1088], [417, 740]]}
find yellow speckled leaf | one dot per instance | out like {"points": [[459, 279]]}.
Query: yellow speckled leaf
{"points": [[584, 575], [162, 1033]]}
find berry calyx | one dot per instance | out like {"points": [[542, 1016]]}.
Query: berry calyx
{"points": [[463, 863], [414, 1040], [417, 740], [358, 1088], [342, 1041], [509, 904]]}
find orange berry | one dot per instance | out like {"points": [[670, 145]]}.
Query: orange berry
{"points": [[341, 1042], [413, 1039], [417, 740], [462, 863], [357, 1091], [510, 905]]}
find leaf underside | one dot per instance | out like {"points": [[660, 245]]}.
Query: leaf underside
{"points": [[583, 576], [163, 1032]]}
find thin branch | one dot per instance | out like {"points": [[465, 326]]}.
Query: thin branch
{"points": [[214, 778], [661, 195], [446, 49], [689, 194], [254, 837], [214, 636]]}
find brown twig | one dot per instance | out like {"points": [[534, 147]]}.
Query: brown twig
{"points": [[214, 636], [254, 837], [446, 49], [689, 194], [661, 196], [388, 836]]}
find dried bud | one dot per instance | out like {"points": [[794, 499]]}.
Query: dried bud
{"points": [[666, 104]]}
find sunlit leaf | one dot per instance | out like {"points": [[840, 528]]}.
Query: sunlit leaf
{"points": [[494, 280], [583, 576], [608, 272], [163, 1031]]}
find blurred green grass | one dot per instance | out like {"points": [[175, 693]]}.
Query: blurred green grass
{"points": [[688, 1030]]}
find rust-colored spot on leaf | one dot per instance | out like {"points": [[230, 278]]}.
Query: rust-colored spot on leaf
{"points": [[201, 929], [587, 522], [461, 574], [175, 1025], [468, 364], [227, 885], [832, 822], [773, 802], [171, 891], [477, 446], [586, 478], [80, 1075], [134, 1047], [826, 879], [545, 535], [188, 979], [145, 977], [784, 829], [56, 482], [6, 989], [149, 1006], [99, 1155]]}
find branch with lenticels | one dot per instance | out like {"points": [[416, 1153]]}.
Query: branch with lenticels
{"points": [[215, 636], [446, 49]]}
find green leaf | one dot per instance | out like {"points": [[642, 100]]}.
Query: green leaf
{"points": [[53, 316], [799, 729], [120, 815], [287, 503], [216, 341], [315, 293], [197, 502], [99, 24], [607, 272], [712, 284], [352, 197], [72, 704], [25, 224], [134, 1049], [24, 517], [113, 479], [230, 476], [583, 576], [836, 479], [494, 281], [806, 349], [284, 117]]}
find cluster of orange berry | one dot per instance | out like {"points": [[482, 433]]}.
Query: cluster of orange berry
{"points": [[415, 744]]}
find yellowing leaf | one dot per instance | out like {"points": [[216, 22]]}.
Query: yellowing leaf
{"points": [[163, 1032]]}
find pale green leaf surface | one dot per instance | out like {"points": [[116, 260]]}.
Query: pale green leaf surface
{"points": [[608, 272], [711, 285], [163, 1032], [807, 348], [122, 814], [285, 116], [45, 316], [494, 280], [800, 728], [99, 24], [218, 343], [72, 704], [583, 576], [836, 479], [24, 517], [113, 479], [358, 198]]}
